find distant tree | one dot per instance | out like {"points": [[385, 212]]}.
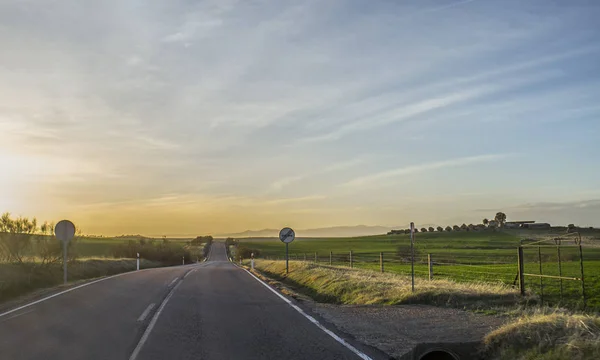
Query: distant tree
{"points": [[486, 222], [464, 227], [571, 228], [471, 227], [416, 230], [423, 229], [448, 228], [456, 228], [440, 229], [431, 229], [500, 219], [407, 231]]}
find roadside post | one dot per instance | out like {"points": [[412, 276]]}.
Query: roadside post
{"points": [[412, 254], [287, 235], [64, 231], [137, 267], [183, 260], [252, 261]]}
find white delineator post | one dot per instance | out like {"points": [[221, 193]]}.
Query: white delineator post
{"points": [[183, 260], [252, 261], [137, 267]]}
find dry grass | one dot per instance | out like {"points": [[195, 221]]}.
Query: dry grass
{"points": [[351, 286], [20, 279], [554, 336]]}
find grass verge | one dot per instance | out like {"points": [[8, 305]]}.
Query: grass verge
{"points": [[554, 336], [21, 279], [359, 287]]}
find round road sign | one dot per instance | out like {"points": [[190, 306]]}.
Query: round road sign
{"points": [[287, 235], [64, 231]]}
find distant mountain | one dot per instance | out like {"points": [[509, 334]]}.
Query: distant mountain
{"points": [[335, 231]]}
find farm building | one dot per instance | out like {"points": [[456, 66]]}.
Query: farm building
{"points": [[517, 224], [537, 226]]}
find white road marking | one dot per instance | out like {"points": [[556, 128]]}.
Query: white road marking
{"points": [[146, 312], [17, 315], [189, 272], [359, 353], [172, 282], [144, 338], [67, 291]]}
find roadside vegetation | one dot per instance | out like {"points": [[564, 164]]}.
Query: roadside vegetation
{"points": [[31, 257], [548, 335], [341, 285]]}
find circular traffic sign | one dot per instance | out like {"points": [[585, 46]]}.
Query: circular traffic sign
{"points": [[64, 231], [287, 235]]}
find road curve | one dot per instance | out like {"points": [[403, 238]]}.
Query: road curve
{"points": [[213, 310]]}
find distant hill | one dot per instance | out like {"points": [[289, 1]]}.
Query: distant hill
{"points": [[335, 231]]}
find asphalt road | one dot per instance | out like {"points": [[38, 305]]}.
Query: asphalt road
{"points": [[213, 310]]}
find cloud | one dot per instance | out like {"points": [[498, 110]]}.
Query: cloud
{"points": [[415, 169]]}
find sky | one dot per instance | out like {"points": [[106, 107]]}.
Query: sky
{"points": [[194, 117]]}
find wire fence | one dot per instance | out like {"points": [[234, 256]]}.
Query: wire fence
{"points": [[554, 274]]}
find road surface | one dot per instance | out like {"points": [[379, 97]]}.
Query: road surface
{"points": [[212, 310]]}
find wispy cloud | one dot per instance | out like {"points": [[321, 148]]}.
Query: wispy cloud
{"points": [[415, 169]]}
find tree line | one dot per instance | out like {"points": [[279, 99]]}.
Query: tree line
{"points": [[498, 222]]}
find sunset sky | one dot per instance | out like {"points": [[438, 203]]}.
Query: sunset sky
{"points": [[192, 117]]}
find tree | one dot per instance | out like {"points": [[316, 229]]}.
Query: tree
{"points": [[471, 227], [448, 228], [500, 219], [15, 237], [431, 229], [440, 229], [486, 222], [571, 228], [464, 227], [456, 228], [423, 229]]}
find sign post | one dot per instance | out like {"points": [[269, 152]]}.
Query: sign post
{"points": [[64, 231], [287, 235], [412, 254], [138, 262], [252, 261]]}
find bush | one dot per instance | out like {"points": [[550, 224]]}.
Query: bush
{"points": [[202, 239], [166, 253], [246, 253]]}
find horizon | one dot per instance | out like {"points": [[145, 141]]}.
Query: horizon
{"points": [[223, 116]]}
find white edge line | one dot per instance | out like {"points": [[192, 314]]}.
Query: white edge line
{"points": [[67, 291], [17, 315], [144, 338], [189, 272], [172, 282], [146, 312], [359, 353]]}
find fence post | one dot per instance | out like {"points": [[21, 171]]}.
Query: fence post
{"points": [[541, 273], [381, 261], [560, 271], [331, 258], [582, 277], [351, 259], [521, 270], [430, 267]]}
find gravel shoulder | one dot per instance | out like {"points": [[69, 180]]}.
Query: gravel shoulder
{"points": [[397, 330]]}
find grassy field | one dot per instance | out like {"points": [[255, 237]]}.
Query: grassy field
{"points": [[460, 256]]}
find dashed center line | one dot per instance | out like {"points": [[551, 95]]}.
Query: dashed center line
{"points": [[146, 312]]}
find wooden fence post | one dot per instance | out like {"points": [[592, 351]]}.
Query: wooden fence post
{"points": [[430, 267], [521, 270]]}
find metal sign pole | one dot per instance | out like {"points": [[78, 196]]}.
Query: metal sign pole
{"points": [[287, 268], [65, 262], [412, 254]]}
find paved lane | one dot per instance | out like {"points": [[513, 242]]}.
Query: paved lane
{"points": [[221, 312], [99, 321]]}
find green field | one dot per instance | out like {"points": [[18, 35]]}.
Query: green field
{"points": [[460, 256]]}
